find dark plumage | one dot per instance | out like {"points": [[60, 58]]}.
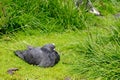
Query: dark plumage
{"points": [[44, 56]]}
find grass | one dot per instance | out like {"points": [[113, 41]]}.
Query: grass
{"points": [[82, 57], [60, 71], [89, 45]]}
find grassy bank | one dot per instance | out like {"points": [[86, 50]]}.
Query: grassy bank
{"points": [[49, 15], [82, 57]]}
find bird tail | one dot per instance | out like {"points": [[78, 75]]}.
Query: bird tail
{"points": [[19, 54]]}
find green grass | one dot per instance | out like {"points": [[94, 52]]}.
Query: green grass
{"points": [[60, 71], [18, 14], [84, 55], [89, 45]]}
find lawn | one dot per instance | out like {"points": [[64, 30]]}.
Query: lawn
{"points": [[78, 59], [88, 45], [64, 43]]}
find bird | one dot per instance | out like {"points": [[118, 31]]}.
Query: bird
{"points": [[45, 56]]}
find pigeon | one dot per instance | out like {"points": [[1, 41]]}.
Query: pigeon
{"points": [[45, 56]]}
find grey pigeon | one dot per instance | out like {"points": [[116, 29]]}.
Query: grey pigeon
{"points": [[45, 56]]}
